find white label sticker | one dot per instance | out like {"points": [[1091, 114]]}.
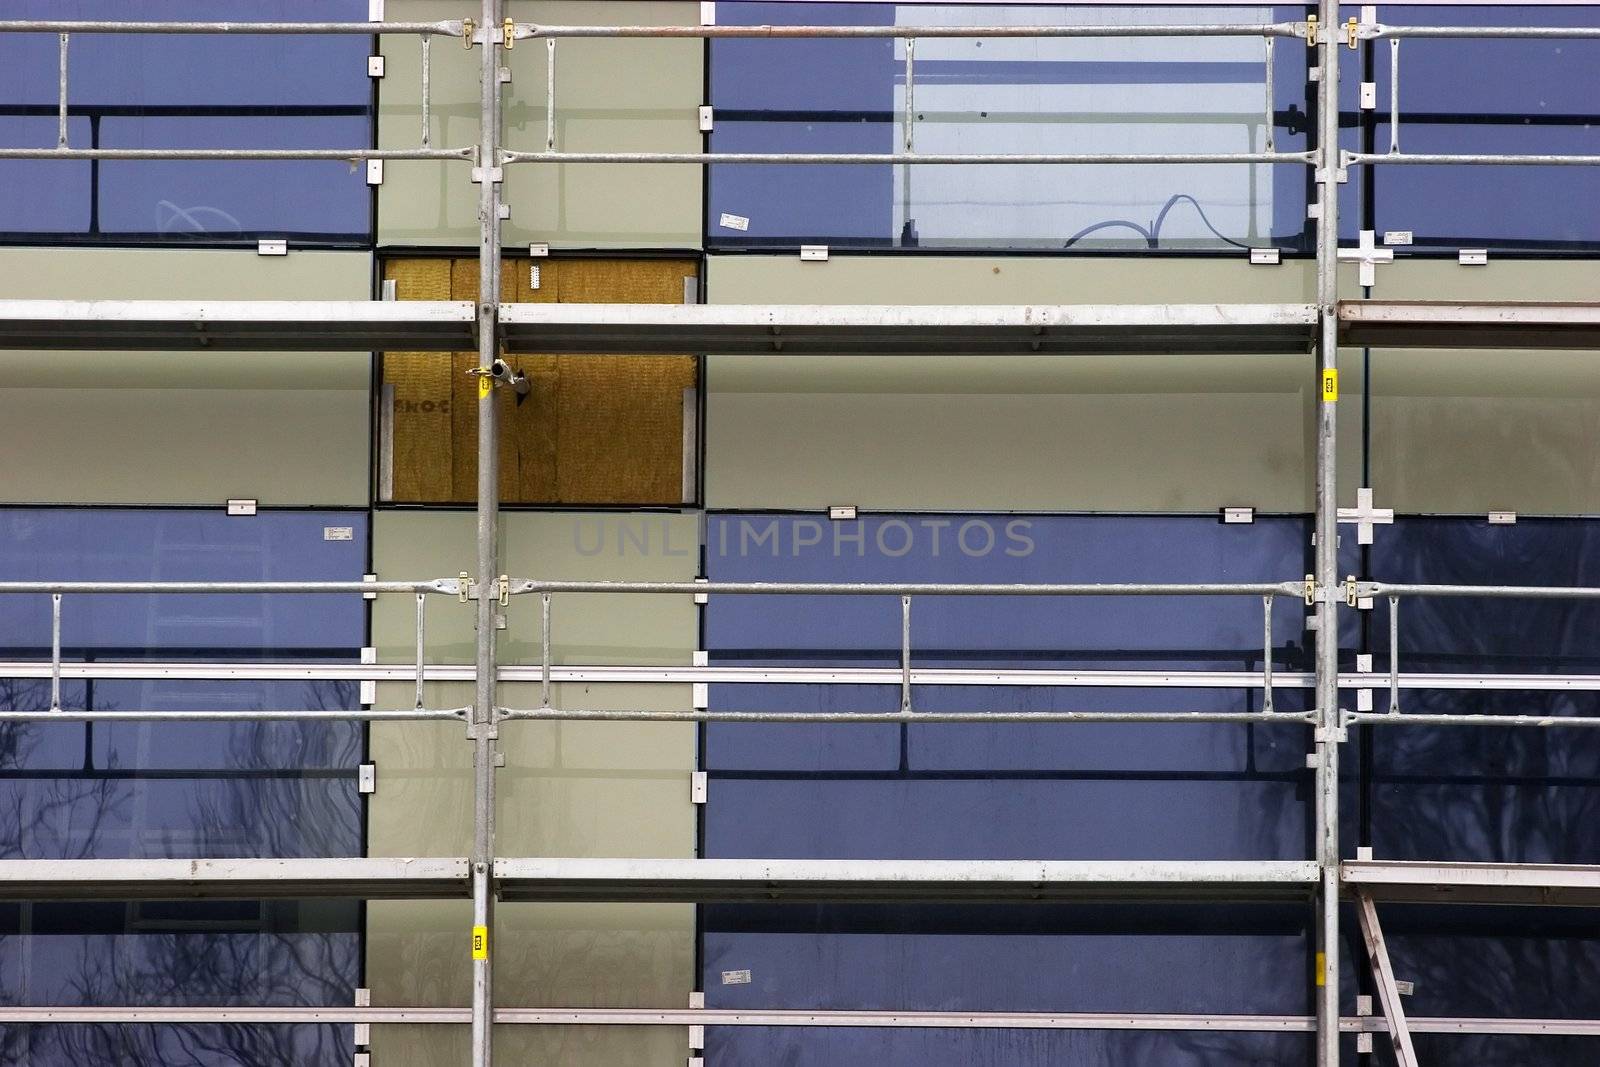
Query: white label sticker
{"points": [[1397, 237], [733, 222], [741, 977], [338, 533]]}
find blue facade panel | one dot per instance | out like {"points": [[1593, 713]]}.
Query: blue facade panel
{"points": [[1517, 97], [1006, 791], [113, 790], [1515, 795], [187, 91]]}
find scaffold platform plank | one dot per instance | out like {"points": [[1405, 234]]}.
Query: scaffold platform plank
{"points": [[1445, 324], [239, 325], [1568, 884], [825, 329], [368, 878], [764, 880]]}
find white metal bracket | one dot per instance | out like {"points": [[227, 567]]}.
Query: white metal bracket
{"points": [[374, 172], [1502, 518], [702, 598], [697, 1034], [241, 506], [538, 250], [698, 784], [707, 118], [1363, 1011], [363, 1031], [1368, 255], [1365, 516], [814, 253], [708, 12], [493, 174], [374, 10], [367, 778], [369, 687], [272, 247], [1236, 515], [1473, 257], [361, 1059], [701, 690], [1369, 96], [369, 578], [1265, 257], [374, 66], [841, 512]]}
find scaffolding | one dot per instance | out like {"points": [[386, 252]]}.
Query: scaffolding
{"points": [[1324, 878]]}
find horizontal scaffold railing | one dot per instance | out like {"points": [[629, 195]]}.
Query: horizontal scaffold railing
{"points": [[1373, 31], [907, 155], [809, 1018], [1394, 716], [57, 667], [906, 677], [64, 30]]}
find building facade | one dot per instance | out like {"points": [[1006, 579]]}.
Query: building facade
{"points": [[1188, 464]]}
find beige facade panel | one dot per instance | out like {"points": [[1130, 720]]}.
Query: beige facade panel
{"points": [[654, 108], [1094, 433], [567, 789], [1469, 432], [184, 428]]}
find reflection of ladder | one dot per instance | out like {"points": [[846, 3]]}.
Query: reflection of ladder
{"points": [[183, 622]]}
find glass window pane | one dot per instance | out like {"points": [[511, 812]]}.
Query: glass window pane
{"points": [[999, 96]]}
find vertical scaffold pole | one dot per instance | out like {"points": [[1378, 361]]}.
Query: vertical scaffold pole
{"points": [[1327, 549], [484, 729]]}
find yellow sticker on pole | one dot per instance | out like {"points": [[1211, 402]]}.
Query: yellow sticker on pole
{"points": [[1330, 385], [485, 383], [480, 942], [1322, 967]]}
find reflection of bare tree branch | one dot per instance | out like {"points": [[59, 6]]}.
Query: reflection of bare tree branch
{"points": [[282, 952], [57, 818], [1516, 795]]}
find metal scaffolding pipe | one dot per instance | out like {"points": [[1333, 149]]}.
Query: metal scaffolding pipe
{"points": [[1514, 592], [899, 158], [450, 586], [1325, 848], [482, 730], [1290, 589], [445, 28], [866, 717], [1374, 31], [1466, 159], [773, 1017], [1221, 29], [1398, 718], [239, 154], [245, 715]]}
